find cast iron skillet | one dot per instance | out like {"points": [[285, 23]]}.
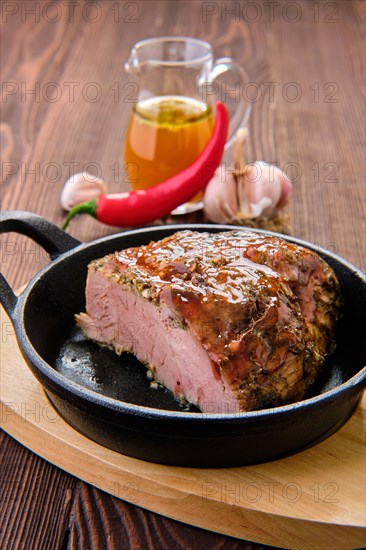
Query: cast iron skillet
{"points": [[109, 400]]}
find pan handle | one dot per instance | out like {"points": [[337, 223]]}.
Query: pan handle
{"points": [[46, 234]]}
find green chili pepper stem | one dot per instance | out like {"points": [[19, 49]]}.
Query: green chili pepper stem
{"points": [[89, 207]]}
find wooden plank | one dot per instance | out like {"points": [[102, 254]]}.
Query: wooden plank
{"points": [[29, 487], [95, 517]]}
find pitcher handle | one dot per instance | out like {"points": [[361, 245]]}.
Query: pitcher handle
{"points": [[243, 111]]}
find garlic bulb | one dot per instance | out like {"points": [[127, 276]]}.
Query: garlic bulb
{"points": [[257, 190], [81, 187], [268, 189]]}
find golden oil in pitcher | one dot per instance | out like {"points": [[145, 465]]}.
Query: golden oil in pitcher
{"points": [[165, 135]]}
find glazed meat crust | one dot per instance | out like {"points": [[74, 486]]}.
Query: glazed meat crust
{"points": [[263, 309]]}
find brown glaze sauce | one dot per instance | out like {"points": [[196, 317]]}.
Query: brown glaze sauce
{"points": [[210, 264]]}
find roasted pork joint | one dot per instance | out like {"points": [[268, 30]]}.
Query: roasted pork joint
{"points": [[230, 322]]}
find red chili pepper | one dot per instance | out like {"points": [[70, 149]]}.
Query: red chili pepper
{"points": [[140, 207]]}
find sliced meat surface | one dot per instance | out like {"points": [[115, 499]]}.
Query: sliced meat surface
{"points": [[230, 322]]}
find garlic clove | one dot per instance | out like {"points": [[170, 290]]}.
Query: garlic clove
{"points": [[79, 188], [286, 191], [227, 196], [264, 188], [269, 183], [220, 200]]}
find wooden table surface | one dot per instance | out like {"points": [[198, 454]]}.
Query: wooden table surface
{"points": [[64, 108]]}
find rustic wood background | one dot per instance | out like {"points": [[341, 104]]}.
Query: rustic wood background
{"points": [[65, 105]]}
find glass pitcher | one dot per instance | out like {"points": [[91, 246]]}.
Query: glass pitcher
{"points": [[173, 119]]}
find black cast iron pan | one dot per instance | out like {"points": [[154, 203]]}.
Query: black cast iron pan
{"points": [[109, 399]]}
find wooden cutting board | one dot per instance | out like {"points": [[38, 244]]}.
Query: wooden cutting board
{"points": [[314, 499]]}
